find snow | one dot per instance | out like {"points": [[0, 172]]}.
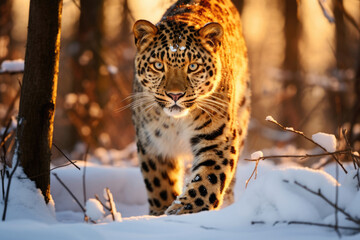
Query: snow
{"points": [[26, 201], [270, 119], [257, 155], [94, 209], [327, 141], [112, 69], [273, 197], [12, 66], [109, 197]]}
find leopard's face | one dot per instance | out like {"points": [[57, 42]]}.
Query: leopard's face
{"points": [[177, 65]]}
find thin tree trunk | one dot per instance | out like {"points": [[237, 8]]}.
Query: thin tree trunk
{"points": [[125, 23], [88, 60], [38, 92], [87, 63], [239, 4], [292, 108], [5, 28]]}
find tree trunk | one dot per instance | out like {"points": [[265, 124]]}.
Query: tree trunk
{"points": [[38, 92], [125, 23], [239, 4], [86, 66], [292, 108], [88, 60], [5, 28]]}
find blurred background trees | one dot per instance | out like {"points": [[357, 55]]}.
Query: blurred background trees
{"points": [[304, 60]]}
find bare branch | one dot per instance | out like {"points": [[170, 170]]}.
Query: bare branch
{"points": [[110, 199], [106, 207], [69, 191], [324, 225], [254, 172], [327, 12], [8, 189], [84, 173], [67, 158], [290, 129], [319, 194]]}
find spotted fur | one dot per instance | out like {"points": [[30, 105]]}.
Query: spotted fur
{"points": [[191, 101]]}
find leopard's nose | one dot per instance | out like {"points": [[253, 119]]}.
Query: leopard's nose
{"points": [[175, 95]]}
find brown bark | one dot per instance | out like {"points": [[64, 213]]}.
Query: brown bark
{"points": [[5, 28], [125, 23], [239, 4], [292, 108], [86, 65], [38, 92], [89, 40]]}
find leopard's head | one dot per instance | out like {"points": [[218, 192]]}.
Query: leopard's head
{"points": [[178, 65]]}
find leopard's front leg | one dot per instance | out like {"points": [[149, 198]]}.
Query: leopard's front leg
{"points": [[162, 178], [215, 158]]}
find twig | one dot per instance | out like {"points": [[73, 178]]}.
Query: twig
{"points": [[308, 223], [67, 158], [353, 157], [11, 106], [76, 4], [20, 128], [3, 158], [84, 174], [6, 138], [327, 12], [288, 129], [68, 190], [47, 172], [110, 203], [8, 188], [324, 225], [303, 156], [254, 172], [106, 207], [337, 200], [319, 194], [257, 222], [348, 16]]}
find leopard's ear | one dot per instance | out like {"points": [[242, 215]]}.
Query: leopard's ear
{"points": [[212, 34], [143, 30]]}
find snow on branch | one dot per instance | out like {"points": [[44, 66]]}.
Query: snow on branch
{"points": [[12, 66], [327, 142], [290, 129]]}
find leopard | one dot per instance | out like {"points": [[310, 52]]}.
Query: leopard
{"points": [[190, 104]]}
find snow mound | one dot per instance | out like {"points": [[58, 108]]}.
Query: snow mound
{"points": [[26, 201], [126, 184], [94, 209], [327, 141]]}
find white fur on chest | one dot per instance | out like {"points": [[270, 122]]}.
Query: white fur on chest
{"points": [[174, 141]]}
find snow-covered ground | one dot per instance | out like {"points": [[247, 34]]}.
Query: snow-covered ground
{"points": [[272, 197]]}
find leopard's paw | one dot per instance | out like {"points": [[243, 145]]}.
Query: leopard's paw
{"points": [[183, 207]]}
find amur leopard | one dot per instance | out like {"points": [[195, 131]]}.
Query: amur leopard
{"points": [[191, 100]]}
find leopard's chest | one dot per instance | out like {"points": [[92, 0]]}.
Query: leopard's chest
{"points": [[170, 137]]}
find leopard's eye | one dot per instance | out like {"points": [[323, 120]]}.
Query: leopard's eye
{"points": [[158, 66], [193, 67]]}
